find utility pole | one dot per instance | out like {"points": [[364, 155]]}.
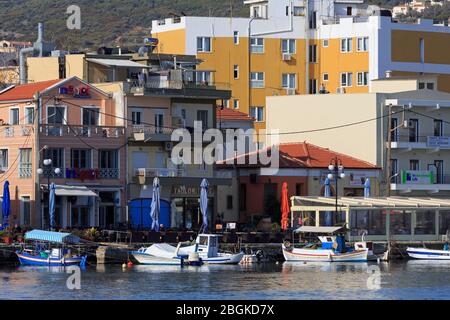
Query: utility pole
{"points": [[388, 154], [37, 187]]}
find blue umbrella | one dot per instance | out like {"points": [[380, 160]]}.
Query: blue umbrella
{"points": [[204, 205], [6, 204], [327, 194], [51, 204], [367, 188], [155, 206]]}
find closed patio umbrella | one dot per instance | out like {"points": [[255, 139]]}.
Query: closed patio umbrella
{"points": [[6, 204], [284, 207], [155, 206], [204, 205], [367, 188], [327, 194], [51, 204]]}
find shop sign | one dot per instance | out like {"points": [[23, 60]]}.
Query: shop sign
{"points": [[83, 174], [438, 142], [417, 177], [357, 179], [184, 191], [81, 92]]}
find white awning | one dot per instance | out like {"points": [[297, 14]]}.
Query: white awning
{"points": [[118, 63], [305, 229], [77, 191]]}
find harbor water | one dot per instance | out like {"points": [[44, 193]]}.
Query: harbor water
{"points": [[395, 280]]}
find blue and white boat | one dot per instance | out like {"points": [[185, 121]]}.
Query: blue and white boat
{"points": [[50, 250], [428, 254]]}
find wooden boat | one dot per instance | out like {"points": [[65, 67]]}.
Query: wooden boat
{"points": [[331, 248], [428, 254], [205, 248], [45, 254]]}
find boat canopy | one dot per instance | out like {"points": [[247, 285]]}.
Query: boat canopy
{"points": [[56, 237], [306, 229]]}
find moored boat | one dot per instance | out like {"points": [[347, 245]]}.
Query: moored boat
{"points": [[428, 254], [331, 248], [50, 249]]}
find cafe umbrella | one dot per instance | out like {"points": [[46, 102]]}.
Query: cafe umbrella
{"points": [[51, 203], [204, 205], [6, 204], [284, 207], [327, 194], [156, 205]]}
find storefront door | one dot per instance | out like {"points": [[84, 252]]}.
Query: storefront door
{"points": [[107, 217]]}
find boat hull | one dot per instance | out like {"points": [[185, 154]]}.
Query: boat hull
{"points": [[148, 259], [27, 259], [428, 254], [321, 255], [224, 258]]}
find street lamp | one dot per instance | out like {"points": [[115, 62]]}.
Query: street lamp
{"points": [[336, 172], [57, 171]]}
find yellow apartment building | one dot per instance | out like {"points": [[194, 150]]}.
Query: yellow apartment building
{"points": [[299, 47]]}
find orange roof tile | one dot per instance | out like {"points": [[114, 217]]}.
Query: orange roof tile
{"points": [[232, 115], [26, 91]]}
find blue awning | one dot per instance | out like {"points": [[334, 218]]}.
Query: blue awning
{"points": [[56, 237]]}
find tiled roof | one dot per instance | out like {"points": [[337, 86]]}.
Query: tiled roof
{"points": [[307, 155], [26, 91], [228, 114]]}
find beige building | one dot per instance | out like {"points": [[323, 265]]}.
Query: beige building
{"points": [[357, 125]]}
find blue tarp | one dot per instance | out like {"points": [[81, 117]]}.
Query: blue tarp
{"points": [[56, 237]]}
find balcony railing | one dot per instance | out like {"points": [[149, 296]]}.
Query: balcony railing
{"points": [[178, 84], [109, 173], [430, 140], [159, 172], [151, 130], [18, 131], [25, 171], [82, 131]]}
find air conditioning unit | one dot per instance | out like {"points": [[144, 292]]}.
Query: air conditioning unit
{"points": [[291, 92], [168, 146], [340, 90], [287, 57]]}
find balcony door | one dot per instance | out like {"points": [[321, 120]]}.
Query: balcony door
{"points": [[140, 160], [438, 128], [438, 169], [413, 130]]}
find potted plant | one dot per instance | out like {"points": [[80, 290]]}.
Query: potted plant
{"points": [[91, 234], [6, 236]]}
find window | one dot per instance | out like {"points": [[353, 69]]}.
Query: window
{"points": [[325, 43], [3, 159], [257, 80], [299, 189], [226, 103], [313, 20], [422, 50], [363, 44], [25, 165], [29, 115], [298, 11], [289, 81], [91, 117], [394, 129], [230, 202], [81, 158], [288, 46], [236, 103], [313, 53], [438, 128], [57, 157], [430, 85], [14, 116], [203, 78], [346, 79], [394, 171], [363, 78], [421, 85], [159, 122], [257, 113], [136, 116], [257, 45], [346, 45], [236, 37], [414, 165], [202, 115], [236, 72], [108, 159], [349, 11], [55, 115], [243, 197], [203, 44], [325, 77], [312, 86]]}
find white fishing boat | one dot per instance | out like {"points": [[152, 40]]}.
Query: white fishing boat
{"points": [[165, 255], [206, 248], [331, 248], [428, 254]]}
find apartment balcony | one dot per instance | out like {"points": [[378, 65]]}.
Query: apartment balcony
{"points": [[429, 142], [82, 131], [145, 133], [180, 87], [18, 131], [25, 171], [429, 181]]}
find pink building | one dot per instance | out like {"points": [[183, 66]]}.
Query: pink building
{"points": [[73, 124]]}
